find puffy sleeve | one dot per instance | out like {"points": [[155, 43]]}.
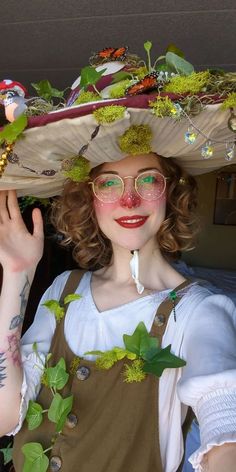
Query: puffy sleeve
{"points": [[208, 383], [40, 332]]}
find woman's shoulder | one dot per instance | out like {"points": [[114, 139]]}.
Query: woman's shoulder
{"points": [[205, 306], [60, 281]]}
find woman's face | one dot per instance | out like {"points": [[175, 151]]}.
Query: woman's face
{"points": [[131, 221]]}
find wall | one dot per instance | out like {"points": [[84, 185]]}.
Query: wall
{"points": [[217, 243]]}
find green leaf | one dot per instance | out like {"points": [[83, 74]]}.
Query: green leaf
{"points": [[7, 453], [55, 308], [140, 341], [35, 459], [173, 48], [147, 344], [180, 65], [148, 46], [34, 416], [59, 409], [57, 376], [11, 132], [90, 76], [71, 297], [119, 76], [162, 360], [133, 342], [35, 347], [46, 91], [94, 353]]}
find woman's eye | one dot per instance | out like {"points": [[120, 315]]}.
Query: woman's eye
{"points": [[149, 179], [109, 183]]}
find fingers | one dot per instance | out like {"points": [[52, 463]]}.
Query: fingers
{"points": [[13, 206], [4, 214], [38, 223]]}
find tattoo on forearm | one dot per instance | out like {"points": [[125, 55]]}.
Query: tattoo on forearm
{"points": [[18, 319], [14, 348], [2, 368]]}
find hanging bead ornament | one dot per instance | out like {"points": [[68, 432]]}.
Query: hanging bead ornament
{"points": [[173, 296], [232, 122], [229, 154], [190, 136], [4, 158], [207, 150]]}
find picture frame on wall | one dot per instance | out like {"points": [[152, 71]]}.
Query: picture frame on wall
{"points": [[225, 199]]}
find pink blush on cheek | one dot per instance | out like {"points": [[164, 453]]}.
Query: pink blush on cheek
{"points": [[104, 208]]}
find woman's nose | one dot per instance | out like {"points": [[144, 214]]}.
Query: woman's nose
{"points": [[130, 198]]}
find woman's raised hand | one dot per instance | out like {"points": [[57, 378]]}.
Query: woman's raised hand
{"points": [[19, 249]]}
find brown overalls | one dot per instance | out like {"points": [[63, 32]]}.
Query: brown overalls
{"points": [[113, 426]]}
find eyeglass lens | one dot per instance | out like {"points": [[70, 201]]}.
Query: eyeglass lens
{"points": [[109, 188]]}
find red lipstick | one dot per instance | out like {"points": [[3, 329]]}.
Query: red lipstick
{"points": [[134, 221]]}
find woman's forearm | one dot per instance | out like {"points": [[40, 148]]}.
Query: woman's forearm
{"points": [[13, 301], [222, 458]]}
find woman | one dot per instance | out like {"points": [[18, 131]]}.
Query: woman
{"points": [[127, 218]]}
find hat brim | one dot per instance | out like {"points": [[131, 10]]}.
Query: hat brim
{"points": [[50, 139]]}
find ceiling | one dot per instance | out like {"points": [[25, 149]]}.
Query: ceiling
{"points": [[53, 39]]}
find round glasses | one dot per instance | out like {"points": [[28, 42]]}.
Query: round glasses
{"points": [[109, 188]]}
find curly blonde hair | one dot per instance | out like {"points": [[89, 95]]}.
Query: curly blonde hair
{"points": [[74, 217]]}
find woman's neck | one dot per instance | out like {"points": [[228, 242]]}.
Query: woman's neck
{"points": [[155, 273]]}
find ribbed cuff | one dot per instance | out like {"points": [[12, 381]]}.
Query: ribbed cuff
{"points": [[216, 413]]}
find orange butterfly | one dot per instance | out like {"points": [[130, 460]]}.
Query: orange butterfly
{"points": [[109, 54], [149, 82]]}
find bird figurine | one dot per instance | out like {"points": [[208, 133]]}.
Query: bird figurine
{"points": [[12, 97]]}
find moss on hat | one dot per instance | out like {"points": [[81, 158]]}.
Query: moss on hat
{"points": [[136, 140], [109, 114]]}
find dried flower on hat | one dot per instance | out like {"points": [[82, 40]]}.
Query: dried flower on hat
{"points": [[163, 106], [136, 140]]}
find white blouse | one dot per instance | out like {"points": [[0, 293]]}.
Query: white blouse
{"points": [[204, 334]]}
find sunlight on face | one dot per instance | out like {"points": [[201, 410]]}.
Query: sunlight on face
{"points": [[131, 221]]}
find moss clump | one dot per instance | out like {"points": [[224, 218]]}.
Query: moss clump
{"points": [[134, 372], [136, 140], [229, 102], [86, 97], [119, 89], [193, 83], [74, 365], [109, 114], [76, 169], [106, 360], [163, 106]]}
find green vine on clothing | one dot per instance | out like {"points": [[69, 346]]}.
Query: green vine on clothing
{"points": [[145, 354], [55, 378]]}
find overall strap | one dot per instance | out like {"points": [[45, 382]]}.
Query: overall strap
{"points": [[165, 308], [71, 284]]}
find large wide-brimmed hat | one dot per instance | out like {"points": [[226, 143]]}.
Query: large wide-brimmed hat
{"points": [[120, 106]]}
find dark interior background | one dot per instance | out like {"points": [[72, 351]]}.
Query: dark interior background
{"points": [[53, 39]]}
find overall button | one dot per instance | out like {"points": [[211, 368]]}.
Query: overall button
{"points": [[159, 320], [71, 421], [83, 372], [55, 463]]}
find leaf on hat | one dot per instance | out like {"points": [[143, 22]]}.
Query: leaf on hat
{"points": [[180, 65], [46, 91], [90, 76], [173, 48], [118, 76], [11, 132]]}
